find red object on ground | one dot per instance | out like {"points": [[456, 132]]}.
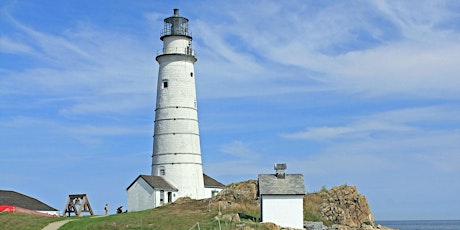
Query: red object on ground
{"points": [[7, 208]]}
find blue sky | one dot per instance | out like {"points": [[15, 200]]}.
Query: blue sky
{"points": [[363, 93]]}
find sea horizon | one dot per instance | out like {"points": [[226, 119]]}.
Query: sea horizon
{"points": [[421, 224], [419, 220]]}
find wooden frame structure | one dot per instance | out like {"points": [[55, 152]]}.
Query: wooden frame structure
{"points": [[77, 203]]}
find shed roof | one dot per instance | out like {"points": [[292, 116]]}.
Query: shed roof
{"points": [[156, 182], [292, 184], [20, 200], [210, 182], [159, 182]]}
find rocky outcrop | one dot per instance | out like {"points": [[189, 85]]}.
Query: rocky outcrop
{"points": [[343, 205], [243, 191], [346, 209]]}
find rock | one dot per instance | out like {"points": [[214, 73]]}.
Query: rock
{"points": [[271, 226], [340, 227], [344, 206], [314, 225], [242, 191], [233, 217]]}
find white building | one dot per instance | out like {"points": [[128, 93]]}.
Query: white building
{"points": [[147, 192], [281, 198], [211, 186], [177, 169]]}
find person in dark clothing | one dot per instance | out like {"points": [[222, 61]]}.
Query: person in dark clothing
{"points": [[69, 208]]}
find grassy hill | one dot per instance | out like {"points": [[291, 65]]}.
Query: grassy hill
{"points": [[10, 221], [182, 214]]}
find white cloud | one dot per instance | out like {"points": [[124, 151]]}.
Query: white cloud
{"points": [[377, 49], [239, 149], [403, 122], [420, 70], [7, 45], [91, 70], [55, 126]]}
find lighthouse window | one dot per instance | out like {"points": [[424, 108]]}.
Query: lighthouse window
{"points": [[162, 196], [165, 84], [162, 171], [191, 74]]}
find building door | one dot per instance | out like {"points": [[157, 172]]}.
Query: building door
{"points": [[169, 197]]}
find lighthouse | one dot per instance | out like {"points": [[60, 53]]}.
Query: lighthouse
{"points": [[177, 169], [176, 141]]}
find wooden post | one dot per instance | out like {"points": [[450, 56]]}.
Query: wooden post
{"points": [[78, 199]]}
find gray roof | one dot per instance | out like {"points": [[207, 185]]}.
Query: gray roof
{"points": [[292, 184], [210, 182], [159, 182], [16, 199], [156, 182]]}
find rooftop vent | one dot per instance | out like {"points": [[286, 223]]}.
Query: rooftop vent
{"points": [[280, 170]]}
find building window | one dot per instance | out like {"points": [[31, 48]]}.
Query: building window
{"points": [[162, 171], [162, 196], [191, 74], [165, 84]]}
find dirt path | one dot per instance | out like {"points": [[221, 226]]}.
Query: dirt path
{"points": [[56, 225]]}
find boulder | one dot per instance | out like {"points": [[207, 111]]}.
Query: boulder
{"points": [[271, 226], [314, 225], [233, 217], [344, 206]]}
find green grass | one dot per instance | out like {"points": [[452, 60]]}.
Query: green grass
{"points": [[311, 203], [9, 221], [181, 215]]}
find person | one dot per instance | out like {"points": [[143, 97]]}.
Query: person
{"points": [[119, 209], [69, 208], [106, 208]]}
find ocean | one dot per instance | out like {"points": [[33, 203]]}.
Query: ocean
{"points": [[421, 224]]}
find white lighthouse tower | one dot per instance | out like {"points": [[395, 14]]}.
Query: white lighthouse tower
{"points": [[176, 148], [177, 169]]}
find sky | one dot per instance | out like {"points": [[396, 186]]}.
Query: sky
{"points": [[363, 93]]}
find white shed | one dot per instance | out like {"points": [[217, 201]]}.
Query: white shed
{"points": [[281, 198], [211, 186], [147, 192]]}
